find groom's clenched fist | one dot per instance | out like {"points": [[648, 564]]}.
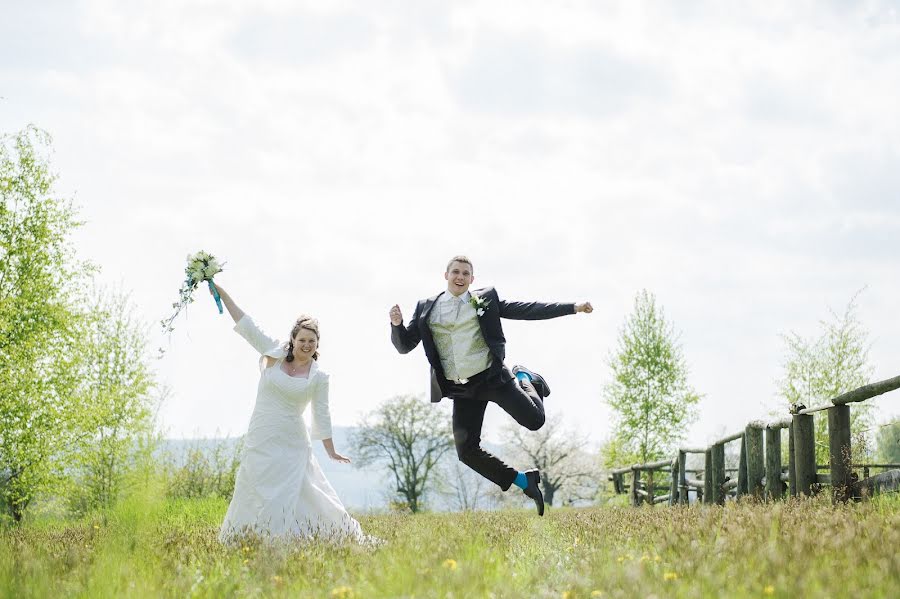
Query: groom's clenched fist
{"points": [[396, 316]]}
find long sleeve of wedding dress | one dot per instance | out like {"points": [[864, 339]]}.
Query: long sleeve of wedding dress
{"points": [[280, 490]]}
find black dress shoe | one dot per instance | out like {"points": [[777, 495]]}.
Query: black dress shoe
{"points": [[533, 490], [540, 385]]}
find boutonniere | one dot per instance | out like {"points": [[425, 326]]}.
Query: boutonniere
{"points": [[479, 303]]}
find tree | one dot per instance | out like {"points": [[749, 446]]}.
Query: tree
{"points": [[116, 392], [889, 443], [40, 283], [649, 391], [411, 436], [568, 471], [465, 489], [201, 468], [818, 369]]}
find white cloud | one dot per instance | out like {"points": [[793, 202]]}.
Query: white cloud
{"points": [[735, 160]]}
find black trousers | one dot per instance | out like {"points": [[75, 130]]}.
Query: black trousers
{"points": [[518, 399]]}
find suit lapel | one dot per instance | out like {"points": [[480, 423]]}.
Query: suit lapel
{"points": [[426, 309], [482, 320]]}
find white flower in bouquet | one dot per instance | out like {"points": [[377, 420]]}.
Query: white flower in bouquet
{"points": [[201, 267]]}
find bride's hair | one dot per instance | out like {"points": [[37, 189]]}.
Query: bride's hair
{"points": [[303, 322]]}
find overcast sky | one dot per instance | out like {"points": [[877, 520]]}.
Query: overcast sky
{"points": [[738, 161]]}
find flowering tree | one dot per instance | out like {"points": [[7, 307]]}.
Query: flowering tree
{"points": [[40, 278], [569, 472]]}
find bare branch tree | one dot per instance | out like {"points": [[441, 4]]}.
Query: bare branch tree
{"points": [[465, 489], [410, 437], [568, 471]]}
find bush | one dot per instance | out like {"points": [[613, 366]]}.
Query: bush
{"points": [[206, 468]]}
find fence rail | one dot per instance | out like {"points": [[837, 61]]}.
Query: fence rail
{"points": [[760, 471]]}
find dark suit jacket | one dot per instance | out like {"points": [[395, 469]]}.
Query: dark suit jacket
{"points": [[405, 339]]}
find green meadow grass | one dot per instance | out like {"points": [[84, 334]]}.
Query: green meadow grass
{"points": [[161, 548]]}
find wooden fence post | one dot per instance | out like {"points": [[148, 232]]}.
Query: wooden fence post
{"points": [[792, 461], [682, 478], [635, 481], [673, 487], [718, 473], [742, 488], [774, 486], [651, 489], [804, 436], [839, 449], [707, 477], [756, 467]]}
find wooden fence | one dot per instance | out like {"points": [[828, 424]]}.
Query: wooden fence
{"points": [[760, 472]]}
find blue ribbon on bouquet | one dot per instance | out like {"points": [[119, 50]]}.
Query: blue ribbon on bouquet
{"points": [[216, 295]]}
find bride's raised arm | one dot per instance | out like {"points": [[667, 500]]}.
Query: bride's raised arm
{"points": [[236, 313], [246, 328]]}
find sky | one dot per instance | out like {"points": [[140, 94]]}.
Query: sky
{"points": [[738, 161]]}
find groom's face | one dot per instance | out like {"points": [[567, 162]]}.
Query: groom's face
{"points": [[459, 276]]}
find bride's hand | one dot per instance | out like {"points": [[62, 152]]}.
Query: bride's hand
{"points": [[339, 458]]}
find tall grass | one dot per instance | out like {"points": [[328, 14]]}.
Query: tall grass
{"points": [[162, 547]]}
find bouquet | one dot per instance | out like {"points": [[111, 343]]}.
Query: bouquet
{"points": [[202, 266]]}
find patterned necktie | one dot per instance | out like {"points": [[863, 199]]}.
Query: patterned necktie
{"points": [[459, 304]]}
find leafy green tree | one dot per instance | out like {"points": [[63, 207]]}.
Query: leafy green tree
{"points": [[40, 282], [889, 443], [649, 391], [117, 395], [411, 437], [817, 369]]}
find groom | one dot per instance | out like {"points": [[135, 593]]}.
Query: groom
{"points": [[464, 344]]}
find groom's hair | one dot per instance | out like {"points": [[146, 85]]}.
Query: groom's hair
{"points": [[462, 259]]}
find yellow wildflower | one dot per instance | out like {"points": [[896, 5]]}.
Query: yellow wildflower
{"points": [[670, 576], [596, 593], [769, 590], [645, 558], [342, 593], [246, 561], [277, 579], [450, 564], [96, 527]]}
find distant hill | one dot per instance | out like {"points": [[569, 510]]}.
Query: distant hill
{"points": [[361, 489]]}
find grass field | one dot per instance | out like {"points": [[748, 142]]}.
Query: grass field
{"points": [[169, 549]]}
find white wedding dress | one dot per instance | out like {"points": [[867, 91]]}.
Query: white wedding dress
{"points": [[280, 491]]}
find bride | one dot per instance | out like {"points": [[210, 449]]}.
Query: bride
{"points": [[280, 491]]}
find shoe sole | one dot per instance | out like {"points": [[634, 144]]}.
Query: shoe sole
{"points": [[519, 368]]}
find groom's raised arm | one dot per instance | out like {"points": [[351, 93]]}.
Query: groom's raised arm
{"points": [[540, 310], [405, 339]]}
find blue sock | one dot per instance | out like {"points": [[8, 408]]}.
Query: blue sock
{"points": [[521, 480], [523, 376]]}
